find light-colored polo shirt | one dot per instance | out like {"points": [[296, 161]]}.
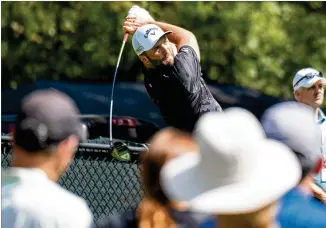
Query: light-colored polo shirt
{"points": [[320, 179], [31, 200]]}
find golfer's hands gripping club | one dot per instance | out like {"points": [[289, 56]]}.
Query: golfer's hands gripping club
{"points": [[136, 18]]}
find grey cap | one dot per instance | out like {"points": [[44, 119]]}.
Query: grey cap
{"points": [[294, 124], [46, 118]]}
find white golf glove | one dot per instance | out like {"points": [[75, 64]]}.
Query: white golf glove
{"points": [[140, 13]]}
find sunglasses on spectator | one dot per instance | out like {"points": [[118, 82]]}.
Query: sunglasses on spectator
{"points": [[310, 76]]}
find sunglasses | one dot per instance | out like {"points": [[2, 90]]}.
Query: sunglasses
{"points": [[310, 76]]}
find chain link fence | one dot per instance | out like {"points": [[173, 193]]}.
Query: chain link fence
{"points": [[108, 185]]}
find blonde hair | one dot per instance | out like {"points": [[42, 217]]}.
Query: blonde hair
{"points": [[165, 145], [153, 214]]}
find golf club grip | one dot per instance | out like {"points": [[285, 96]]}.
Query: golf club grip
{"points": [[125, 37]]}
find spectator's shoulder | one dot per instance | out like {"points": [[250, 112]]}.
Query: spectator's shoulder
{"points": [[298, 210], [46, 202], [74, 201], [62, 203]]}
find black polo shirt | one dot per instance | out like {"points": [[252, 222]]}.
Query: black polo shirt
{"points": [[179, 90]]}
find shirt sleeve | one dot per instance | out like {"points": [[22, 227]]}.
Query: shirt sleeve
{"points": [[187, 68], [85, 217]]}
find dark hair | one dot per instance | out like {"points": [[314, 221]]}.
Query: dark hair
{"points": [[152, 182], [307, 165]]}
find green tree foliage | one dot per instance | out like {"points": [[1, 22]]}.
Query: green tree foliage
{"points": [[254, 44]]}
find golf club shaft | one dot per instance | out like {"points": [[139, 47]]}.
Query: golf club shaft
{"points": [[125, 38]]}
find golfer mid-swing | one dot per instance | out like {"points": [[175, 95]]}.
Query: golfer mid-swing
{"points": [[172, 70]]}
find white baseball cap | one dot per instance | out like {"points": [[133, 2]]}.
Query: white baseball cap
{"points": [[307, 77], [146, 37], [238, 170]]}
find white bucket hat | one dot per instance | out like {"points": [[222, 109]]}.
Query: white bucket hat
{"points": [[237, 170], [307, 77]]}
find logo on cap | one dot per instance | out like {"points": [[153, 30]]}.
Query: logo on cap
{"points": [[150, 31], [140, 49]]}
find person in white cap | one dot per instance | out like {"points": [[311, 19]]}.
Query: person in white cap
{"points": [[172, 70], [239, 175], [308, 85]]}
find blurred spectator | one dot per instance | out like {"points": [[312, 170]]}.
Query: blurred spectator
{"points": [[239, 175], [156, 210], [294, 125], [308, 86], [45, 140]]}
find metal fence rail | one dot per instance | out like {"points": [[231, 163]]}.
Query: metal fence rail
{"points": [[109, 186]]}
